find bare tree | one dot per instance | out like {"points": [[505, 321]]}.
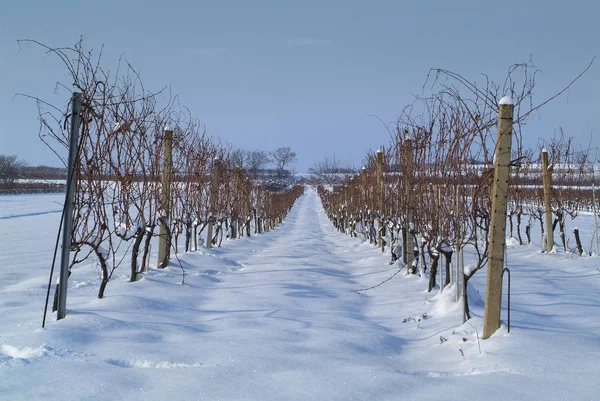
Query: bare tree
{"points": [[330, 170], [256, 160], [237, 158], [282, 157], [10, 169]]}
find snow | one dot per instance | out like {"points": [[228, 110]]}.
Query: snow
{"points": [[506, 100], [277, 317]]}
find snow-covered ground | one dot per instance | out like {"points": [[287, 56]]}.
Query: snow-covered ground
{"points": [[275, 317]]}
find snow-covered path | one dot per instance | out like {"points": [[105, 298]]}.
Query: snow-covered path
{"points": [[275, 317], [292, 317]]}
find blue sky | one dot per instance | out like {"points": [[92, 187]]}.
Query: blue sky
{"points": [[305, 74]]}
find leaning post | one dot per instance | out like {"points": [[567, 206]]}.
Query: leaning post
{"points": [[69, 198], [164, 239], [493, 293], [547, 181]]}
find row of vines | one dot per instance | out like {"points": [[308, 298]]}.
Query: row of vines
{"points": [[118, 208], [427, 196]]}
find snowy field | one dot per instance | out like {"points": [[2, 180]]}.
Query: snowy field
{"points": [[275, 317]]}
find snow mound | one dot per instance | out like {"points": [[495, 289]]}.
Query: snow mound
{"points": [[511, 241], [445, 302], [26, 352]]}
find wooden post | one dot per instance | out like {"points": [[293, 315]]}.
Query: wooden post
{"points": [[457, 270], [408, 243], [237, 183], [440, 227], [164, 237], [493, 293], [463, 294], [353, 207], [214, 189], [258, 222], [380, 197], [364, 186], [345, 208], [404, 255], [595, 218], [547, 180], [267, 212]]}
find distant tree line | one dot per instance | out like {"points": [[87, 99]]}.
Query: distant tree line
{"points": [[44, 173], [330, 170], [273, 169], [10, 170], [19, 178]]}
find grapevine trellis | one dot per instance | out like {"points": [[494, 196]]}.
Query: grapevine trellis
{"points": [[428, 195], [118, 175], [145, 169]]}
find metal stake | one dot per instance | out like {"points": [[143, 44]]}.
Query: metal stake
{"points": [[68, 220]]}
